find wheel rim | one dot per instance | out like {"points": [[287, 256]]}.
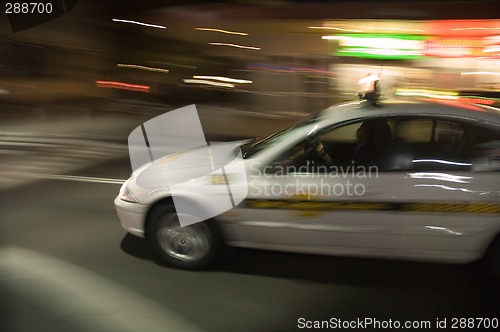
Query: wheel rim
{"points": [[188, 243]]}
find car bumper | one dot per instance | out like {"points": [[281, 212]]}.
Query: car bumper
{"points": [[131, 216]]}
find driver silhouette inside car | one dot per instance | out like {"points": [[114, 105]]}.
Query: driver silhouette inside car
{"points": [[310, 154], [374, 143], [315, 152]]}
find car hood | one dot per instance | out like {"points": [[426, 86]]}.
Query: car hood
{"points": [[187, 165]]}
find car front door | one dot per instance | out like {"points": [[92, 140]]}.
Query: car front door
{"points": [[315, 197]]}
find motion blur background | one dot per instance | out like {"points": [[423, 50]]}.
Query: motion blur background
{"points": [[273, 56]]}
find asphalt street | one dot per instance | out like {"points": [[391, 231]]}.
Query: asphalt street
{"points": [[67, 265]]}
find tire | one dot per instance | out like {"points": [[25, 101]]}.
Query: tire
{"points": [[192, 247]]}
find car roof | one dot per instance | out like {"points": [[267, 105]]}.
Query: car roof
{"points": [[364, 109]]}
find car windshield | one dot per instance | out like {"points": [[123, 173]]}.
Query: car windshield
{"points": [[251, 148]]}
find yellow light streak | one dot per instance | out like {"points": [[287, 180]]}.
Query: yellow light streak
{"points": [[235, 45], [337, 29], [140, 23], [223, 31], [159, 70]]}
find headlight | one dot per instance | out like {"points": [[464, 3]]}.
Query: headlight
{"points": [[126, 194]]}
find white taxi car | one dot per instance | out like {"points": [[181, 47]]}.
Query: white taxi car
{"points": [[402, 180]]}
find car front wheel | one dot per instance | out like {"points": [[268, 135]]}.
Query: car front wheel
{"points": [[187, 247]]}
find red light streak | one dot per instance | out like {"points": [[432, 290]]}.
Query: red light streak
{"points": [[454, 47], [476, 101], [123, 86], [457, 104]]}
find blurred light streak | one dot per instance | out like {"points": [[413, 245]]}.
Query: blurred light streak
{"points": [[495, 50], [212, 83], [427, 93], [435, 94], [441, 177], [223, 31], [332, 37], [334, 28], [444, 230], [223, 79], [173, 64], [263, 66], [439, 161], [381, 42], [237, 46], [123, 86], [367, 29], [480, 73], [399, 29], [441, 186], [455, 103], [140, 23], [474, 28], [385, 28], [496, 109], [476, 100], [382, 52], [456, 48], [88, 179], [160, 70], [395, 46]]}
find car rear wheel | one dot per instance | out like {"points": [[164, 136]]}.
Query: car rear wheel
{"points": [[187, 247]]}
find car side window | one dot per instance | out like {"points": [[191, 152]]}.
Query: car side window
{"points": [[481, 147], [414, 130], [360, 144], [340, 143], [403, 143], [440, 144], [448, 131]]}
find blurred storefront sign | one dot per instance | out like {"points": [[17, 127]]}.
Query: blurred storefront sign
{"points": [[452, 47], [381, 46]]}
